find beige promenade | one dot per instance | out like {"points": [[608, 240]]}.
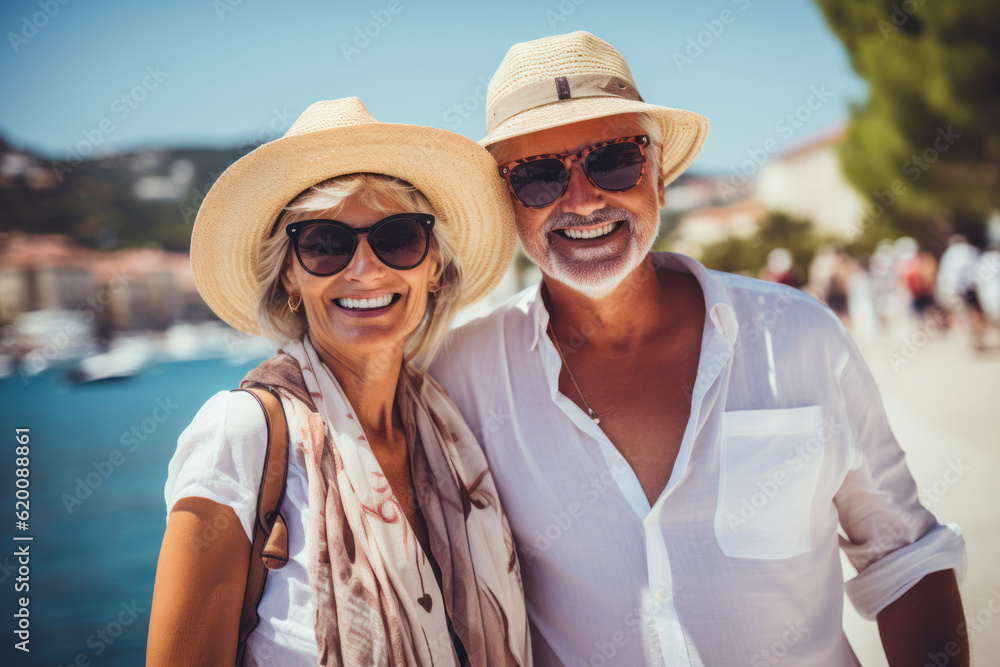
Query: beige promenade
{"points": [[943, 403]]}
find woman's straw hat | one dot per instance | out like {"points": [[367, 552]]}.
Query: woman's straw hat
{"points": [[564, 79], [334, 138]]}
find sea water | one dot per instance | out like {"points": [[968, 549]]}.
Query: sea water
{"points": [[98, 463]]}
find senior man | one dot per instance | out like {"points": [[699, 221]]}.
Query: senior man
{"points": [[676, 447]]}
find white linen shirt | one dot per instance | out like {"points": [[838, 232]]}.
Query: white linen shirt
{"points": [[737, 561]]}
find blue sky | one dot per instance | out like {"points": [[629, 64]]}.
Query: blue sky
{"points": [[225, 72]]}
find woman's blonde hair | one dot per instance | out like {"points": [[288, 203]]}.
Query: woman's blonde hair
{"points": [[381, 193]]}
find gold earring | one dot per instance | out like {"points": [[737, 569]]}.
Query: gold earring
{"points": [[295, 308]]}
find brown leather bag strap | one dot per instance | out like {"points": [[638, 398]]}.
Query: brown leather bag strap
{"points": [[270, 535]]}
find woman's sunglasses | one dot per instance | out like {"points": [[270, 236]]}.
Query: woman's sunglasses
{"points": [[325, 247], [615, 166]]}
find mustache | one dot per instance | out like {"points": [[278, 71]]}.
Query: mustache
{"points": [[567, 220]]}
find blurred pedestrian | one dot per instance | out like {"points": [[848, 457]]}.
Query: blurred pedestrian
{"points": [[919, 275], [954, 270], [987, 274], [861, 301], [820, 272], [883, 269], [957, 287], [780, 268]]}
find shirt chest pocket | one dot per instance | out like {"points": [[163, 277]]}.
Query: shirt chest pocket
{"points": [[769, 467]]}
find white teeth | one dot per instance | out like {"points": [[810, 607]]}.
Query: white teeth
{"points": [[366, 304], [590, 233]]}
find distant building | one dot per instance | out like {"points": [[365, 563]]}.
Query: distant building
{"points": [[806, 181], [19, 169], [41, 272], [713, 224], [131, 289], [690, 192], [171, 187]]}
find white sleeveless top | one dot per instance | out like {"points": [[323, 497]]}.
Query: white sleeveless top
{"points": [[220, 456]]}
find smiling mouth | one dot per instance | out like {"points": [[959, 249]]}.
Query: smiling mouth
{"points": [[375, 303], [586, 234]]}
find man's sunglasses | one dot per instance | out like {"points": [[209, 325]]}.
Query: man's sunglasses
{"points": [[615, 166], [325, 247]]}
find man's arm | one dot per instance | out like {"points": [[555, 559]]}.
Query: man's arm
{"points": [[895, 543], [926, 625]]}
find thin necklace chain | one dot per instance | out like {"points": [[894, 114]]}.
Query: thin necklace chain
{"points": [[590, 411]]}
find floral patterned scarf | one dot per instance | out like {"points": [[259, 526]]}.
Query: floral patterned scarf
{"points": [[375, 593]]}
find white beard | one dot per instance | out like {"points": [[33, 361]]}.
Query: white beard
{"points": [[597, 284]]}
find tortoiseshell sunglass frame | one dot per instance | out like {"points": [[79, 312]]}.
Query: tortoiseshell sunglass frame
{"points": [[506, 169]]}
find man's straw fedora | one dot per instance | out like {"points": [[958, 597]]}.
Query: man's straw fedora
{"points": [[564, 79], [334, 138]]}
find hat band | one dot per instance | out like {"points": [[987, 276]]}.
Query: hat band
{"points": [[574, 86]]}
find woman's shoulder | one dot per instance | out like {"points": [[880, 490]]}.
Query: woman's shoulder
{"points": [[220, 455], [230, 416]]}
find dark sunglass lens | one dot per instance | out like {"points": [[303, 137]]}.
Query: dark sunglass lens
{"points": [[401, 243], [615, 167], [539, 182], [325, 249]]}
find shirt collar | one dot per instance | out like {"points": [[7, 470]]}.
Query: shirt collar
{"points": [[718, 306], [539, 315]]}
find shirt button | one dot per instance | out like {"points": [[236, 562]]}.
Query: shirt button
{"points": [[659, 596]]}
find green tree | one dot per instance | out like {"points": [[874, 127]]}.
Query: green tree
{"points": [[926, 143]]}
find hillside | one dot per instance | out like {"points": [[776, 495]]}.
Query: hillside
{"points": [[126, 200]]}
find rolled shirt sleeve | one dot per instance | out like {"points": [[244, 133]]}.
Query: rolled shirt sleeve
{"points": [[892, 539]]}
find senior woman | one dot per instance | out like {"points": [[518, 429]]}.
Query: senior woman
{"points": [[351, 243]]}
